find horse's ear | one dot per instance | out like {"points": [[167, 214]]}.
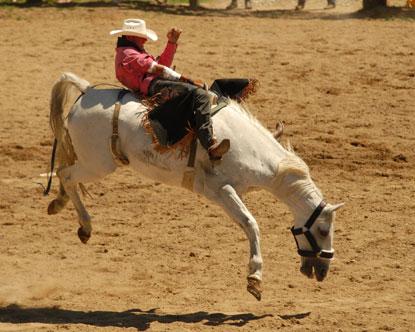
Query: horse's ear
{"points": [[335, 207], [279, 130]]}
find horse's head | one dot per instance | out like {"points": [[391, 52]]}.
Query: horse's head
{"points": [[315, 241], [313, 229]]}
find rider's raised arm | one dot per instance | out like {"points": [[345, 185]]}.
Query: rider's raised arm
{"points": [[166, 58]]}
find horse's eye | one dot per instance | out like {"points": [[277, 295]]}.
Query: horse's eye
{"points": [[323, 232]]}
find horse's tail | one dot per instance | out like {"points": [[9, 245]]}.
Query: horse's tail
{"points": [[61, 91], [62, 144]]}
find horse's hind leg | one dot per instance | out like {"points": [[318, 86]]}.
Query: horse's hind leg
{"points": [[70, 177], [59, 202]]}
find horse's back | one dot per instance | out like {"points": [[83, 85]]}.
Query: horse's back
{"points": [[90, 125]]}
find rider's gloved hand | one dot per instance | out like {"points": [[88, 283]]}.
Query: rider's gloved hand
{"points": [[198, 83], [173, 35]]}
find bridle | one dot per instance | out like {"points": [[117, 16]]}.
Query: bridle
{"points": [[316, 250]]}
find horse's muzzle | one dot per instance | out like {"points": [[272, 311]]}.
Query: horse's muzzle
{"points": [[307, 266], [321, 268], [318, 267]]}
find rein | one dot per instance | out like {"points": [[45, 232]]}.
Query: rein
{"points": [[316, 250]]}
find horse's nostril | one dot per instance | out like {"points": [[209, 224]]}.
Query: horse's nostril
{"points": [[307, 268], [321, 272], [323, 232], [307, 271]]}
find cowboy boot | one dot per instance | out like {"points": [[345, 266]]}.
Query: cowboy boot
{"points": [[217, 150]]}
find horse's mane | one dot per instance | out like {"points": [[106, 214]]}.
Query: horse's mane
{"points": [[242, 108], [292, 158], [292, 164]]}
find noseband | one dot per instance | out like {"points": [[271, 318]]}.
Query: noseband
{"points": [[316, 250]]}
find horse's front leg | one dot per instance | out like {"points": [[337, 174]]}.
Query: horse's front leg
{"points": [[236, 209]]}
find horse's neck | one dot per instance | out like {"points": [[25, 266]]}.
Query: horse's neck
{"points": [[301, 196]]}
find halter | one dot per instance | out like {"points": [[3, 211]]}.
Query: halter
{"points": [[316, 250]]}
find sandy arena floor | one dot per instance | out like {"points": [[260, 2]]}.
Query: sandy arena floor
{"points": [[163, 259]]}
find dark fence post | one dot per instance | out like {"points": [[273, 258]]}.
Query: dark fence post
{"points": [[194, 4]]}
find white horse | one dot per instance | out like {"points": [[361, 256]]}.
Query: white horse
{"points": [[255, 160]]}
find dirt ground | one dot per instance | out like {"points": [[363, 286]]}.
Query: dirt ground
{"points": [[163, 259]]}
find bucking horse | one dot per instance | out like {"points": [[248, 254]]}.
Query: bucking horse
{"points": [[85, 153]]}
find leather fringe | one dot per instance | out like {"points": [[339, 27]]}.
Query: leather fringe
{"points": [[250, 89], [182, 146]]}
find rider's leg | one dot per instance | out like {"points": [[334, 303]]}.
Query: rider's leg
{"points": [[229, 87], [158, 85], [200, 104], [204, 126]]}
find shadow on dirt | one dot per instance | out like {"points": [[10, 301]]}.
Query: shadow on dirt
{"points": [[384, 13], [136, 318], [295, 316]]}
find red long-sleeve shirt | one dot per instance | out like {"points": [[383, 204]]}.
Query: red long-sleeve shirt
{"points": [[132, 65]]}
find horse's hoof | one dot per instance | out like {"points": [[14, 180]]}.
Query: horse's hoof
{"points": [[254, 287], [83, 236], [55, 207]]}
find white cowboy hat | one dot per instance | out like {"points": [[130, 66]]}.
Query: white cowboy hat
{"points": [[135, 27]]}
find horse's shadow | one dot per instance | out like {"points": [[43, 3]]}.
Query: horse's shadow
{"points": [[136, 318]]}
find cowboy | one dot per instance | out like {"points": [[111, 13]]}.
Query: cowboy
{"points": [[140, 71]]}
